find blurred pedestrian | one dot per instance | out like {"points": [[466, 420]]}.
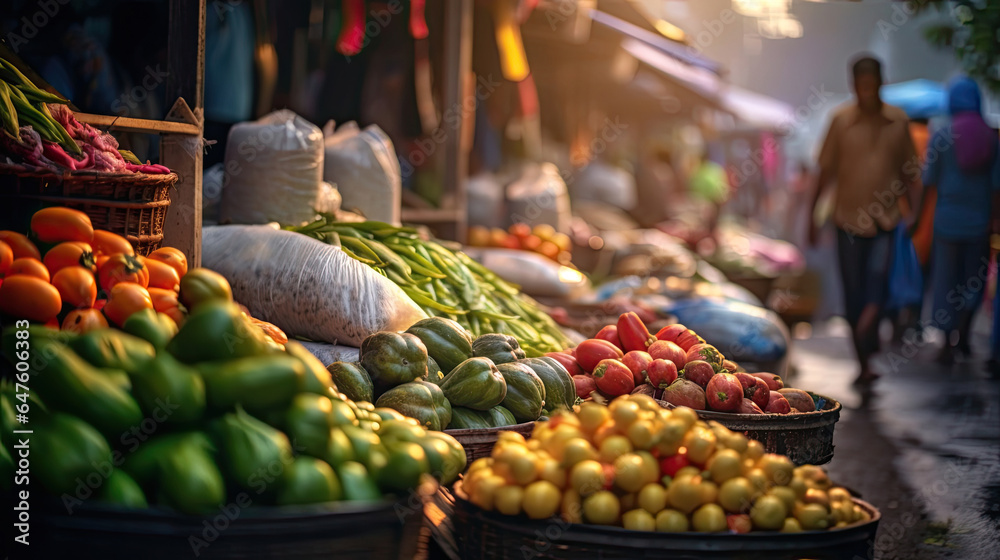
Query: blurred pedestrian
{"points": [[866, 152], [708, 189], [962, 167]]}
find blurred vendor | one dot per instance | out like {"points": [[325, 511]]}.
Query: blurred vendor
{"points": [[708, 190]]}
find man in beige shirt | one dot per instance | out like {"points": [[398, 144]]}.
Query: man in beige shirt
{"points": [[869, 154]]}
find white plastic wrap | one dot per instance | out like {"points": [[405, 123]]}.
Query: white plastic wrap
{"points": [[539, 196], [329, 353], [274, 171], [304, 286], [536, 274], [363, 166]]}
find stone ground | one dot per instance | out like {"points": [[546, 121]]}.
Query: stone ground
{"points": [[922, 445]]}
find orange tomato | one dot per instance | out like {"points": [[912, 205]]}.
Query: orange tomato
{"points": [[58, 224], [162, 275], [124, 299], [107, 244], [122, 268], [84, 320], [29, 267], [173, 257], [69, 253], [165, 301], [6, 258], [76, 286], [29, 297], [20, 244], [100, 259]]}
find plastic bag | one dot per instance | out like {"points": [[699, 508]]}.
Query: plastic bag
{"points": [[606, 184], [329, 353], [485, 201], [537, 275], [363, 166], [742, 332], [274, 171], [539, 196], [906, 282], [304, 286]]}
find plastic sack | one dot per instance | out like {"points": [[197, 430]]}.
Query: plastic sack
{"points": [[304, 286], [536, 274], [539, 196], [742, 332], [485, 201], [604, 183], [363, 166], [906, 282], [329, 353], [274, 171]]}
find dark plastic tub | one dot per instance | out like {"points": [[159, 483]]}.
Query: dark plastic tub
{"points": [[383, 530], [487, 535]]}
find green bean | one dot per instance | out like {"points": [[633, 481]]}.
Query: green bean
{"points": [[361, 248]]}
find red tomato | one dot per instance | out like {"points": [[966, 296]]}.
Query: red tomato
{"points": [[6, 258], [106, 244], [591, 351], [567, 361], [124, 299], [69, 253], [58, 224], [613, 378], [637, 361], [28, 267], [610, 333], [122, 268], [76, 286], [174, 257], [670, 465], [666, 350], [84, 320], [29, 297], [20, 244], [162, 275], [632, 332]]}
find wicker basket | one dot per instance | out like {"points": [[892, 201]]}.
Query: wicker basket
{"points": [[805, 437], [478, 443], [485, 535], [133, 205]]}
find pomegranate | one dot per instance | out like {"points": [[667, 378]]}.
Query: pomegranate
{"points": [[661, 373], [666, 350], [584, 386], [777, 404], [724, 392], [699, 372], [685, 393], [613, 378], [637, 361], [799, 399], [758, 393], [773, 381]]}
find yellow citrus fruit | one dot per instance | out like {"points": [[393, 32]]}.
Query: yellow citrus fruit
{"points": [[601, 508], [653, 498], [629, 472], [587, 477], [791, 526], [671, 521], [812, 517], [541, 499], [592, 415], [768, 513], [507, 499], [613, 447], [709, 518], [638, 520], [735, 495], [576, 450], [684, 494], [725, 464]]}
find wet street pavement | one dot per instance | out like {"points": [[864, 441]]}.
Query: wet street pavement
{"points": [[923, 445]]}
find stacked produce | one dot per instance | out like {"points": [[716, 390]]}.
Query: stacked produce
{"points": [[542, 239], [636, 465], [39, 129], [676, 366], [214, 414], [443, 282], [90, 279], [439, 374]]}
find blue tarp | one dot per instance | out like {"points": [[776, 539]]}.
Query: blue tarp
{"points": [[921, 99], [742, 332]]}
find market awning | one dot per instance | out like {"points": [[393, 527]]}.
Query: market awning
{"points": [[670, 48], [755, 109], [703, 82]]}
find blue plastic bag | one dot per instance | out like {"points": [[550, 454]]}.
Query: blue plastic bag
{"points": [[906, 281]]}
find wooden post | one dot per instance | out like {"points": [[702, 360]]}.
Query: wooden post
{"points": [[457, 68], [183, 153]]}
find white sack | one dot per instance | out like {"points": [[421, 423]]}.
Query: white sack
{"points": [[304, 286]]}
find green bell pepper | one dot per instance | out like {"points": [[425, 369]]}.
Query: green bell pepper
{"points": [[407, 463], [64, 448], [217, 330], [155, 328], [258, 383], [308, 481], [392, 359], [317, 379], [453, 462], [201, 285], [169, 389], [190, 481], [111, 348], [476, 383], [249, 447], [144, 461], [368, 448], [339, 449], [358, 485], [308, 423], [123, 490], [420, 400]]}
